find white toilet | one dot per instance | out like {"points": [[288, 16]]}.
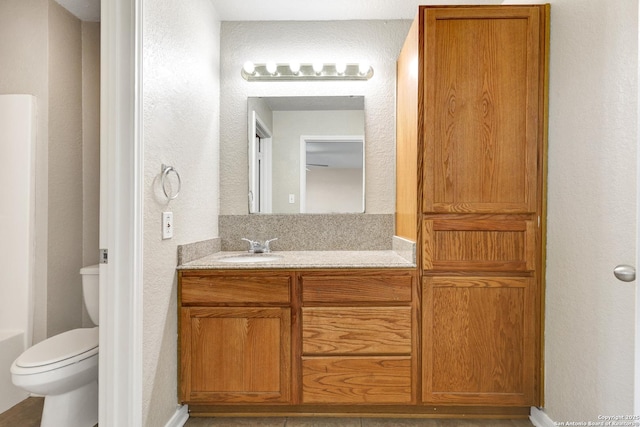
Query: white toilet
{"points": [[64, 368]]}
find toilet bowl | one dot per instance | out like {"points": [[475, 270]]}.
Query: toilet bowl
{"points": [[64, 369]]}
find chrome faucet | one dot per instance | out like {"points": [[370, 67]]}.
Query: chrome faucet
{"points": [[256, 247]]}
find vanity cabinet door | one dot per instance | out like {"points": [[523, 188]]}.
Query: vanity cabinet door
{"points": [[235, 355], [235, 336]]}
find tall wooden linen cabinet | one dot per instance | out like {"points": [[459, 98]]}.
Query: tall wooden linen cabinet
{"points": [[471, 153]]}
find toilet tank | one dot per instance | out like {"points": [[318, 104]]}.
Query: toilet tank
{"points": [[91, 291]]}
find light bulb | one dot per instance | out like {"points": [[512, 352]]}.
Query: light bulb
{"points": [[364, 67], [272, 67], [341, 67], [317, 67], [249, 68], [294, 67]]}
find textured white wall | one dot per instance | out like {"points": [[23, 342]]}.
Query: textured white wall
{"points": [[181, 128], [379, 42], [591, 208]]}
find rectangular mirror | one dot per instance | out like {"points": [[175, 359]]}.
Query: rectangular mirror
{"points": [[306, 154]]}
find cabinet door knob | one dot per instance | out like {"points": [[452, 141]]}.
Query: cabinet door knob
{"points": [[624, 272]]}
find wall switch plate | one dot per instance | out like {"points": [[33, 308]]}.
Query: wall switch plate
{"points": [[167, 225], [292, 198]]}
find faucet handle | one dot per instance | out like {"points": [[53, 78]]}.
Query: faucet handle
{"points": [[266, 244], [253, 245]]}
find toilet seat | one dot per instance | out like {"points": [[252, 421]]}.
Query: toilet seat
{"points": [[58, 351]]}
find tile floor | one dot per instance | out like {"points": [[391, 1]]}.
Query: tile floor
{"points": [[28, 413], [25, 414], [352, 422]]}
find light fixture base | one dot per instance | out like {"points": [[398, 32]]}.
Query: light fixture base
{"points": [[306, 72]]}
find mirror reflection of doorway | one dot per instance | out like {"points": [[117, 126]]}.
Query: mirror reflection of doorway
{"points": [[260, 179], [331, 180], [289, 118]]}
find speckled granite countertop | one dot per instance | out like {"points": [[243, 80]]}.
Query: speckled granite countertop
{"points": [[304, 259]]}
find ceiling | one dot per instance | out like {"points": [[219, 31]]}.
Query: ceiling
{"points": [[292, 10], [325, 10], [306, 10], [85, 10]]}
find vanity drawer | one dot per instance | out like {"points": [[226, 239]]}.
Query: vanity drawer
{"points": [[366, 286], [344, 380], [361, 330], [215, 287]]}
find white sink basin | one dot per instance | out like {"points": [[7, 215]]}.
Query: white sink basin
{"points": [[252, 258]]}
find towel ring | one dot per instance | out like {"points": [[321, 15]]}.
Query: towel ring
{"points": [[165, 172]]}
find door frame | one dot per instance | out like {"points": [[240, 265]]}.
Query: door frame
{"points": [[121, 213], [260, 179]]}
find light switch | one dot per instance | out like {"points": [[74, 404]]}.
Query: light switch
{"points": [[167, 225], [292, 198]]}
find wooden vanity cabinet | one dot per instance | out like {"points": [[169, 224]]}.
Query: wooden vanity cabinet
{"points": [[235, 336], [471, 150], [297, 340]]}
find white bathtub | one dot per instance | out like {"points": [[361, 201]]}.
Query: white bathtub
{"points": [[11, 346]]}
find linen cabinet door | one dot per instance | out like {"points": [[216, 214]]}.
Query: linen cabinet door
{"points": [[482, 105], [235, 355], [479, 340]]}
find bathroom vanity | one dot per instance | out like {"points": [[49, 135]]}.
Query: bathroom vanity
{"points": [[311, 330], [368, 332]]}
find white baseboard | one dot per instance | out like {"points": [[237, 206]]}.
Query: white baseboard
{"points": [[179, 418], [540, 419]]}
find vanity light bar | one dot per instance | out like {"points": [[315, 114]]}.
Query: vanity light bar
{"points": [[296, 71]]}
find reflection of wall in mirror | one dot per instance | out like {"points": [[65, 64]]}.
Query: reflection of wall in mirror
{"points": [[334, 190], [288, 126]]}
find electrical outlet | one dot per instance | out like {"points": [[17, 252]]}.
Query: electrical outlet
{"points": [[292, 198], [167, 225]]}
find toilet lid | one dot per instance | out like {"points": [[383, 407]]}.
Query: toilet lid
{"points": [[60, 347]]}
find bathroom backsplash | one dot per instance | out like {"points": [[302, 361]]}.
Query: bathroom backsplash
{"points": [[405, 248], [341, 232], [309, 232], [193, 251]]}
